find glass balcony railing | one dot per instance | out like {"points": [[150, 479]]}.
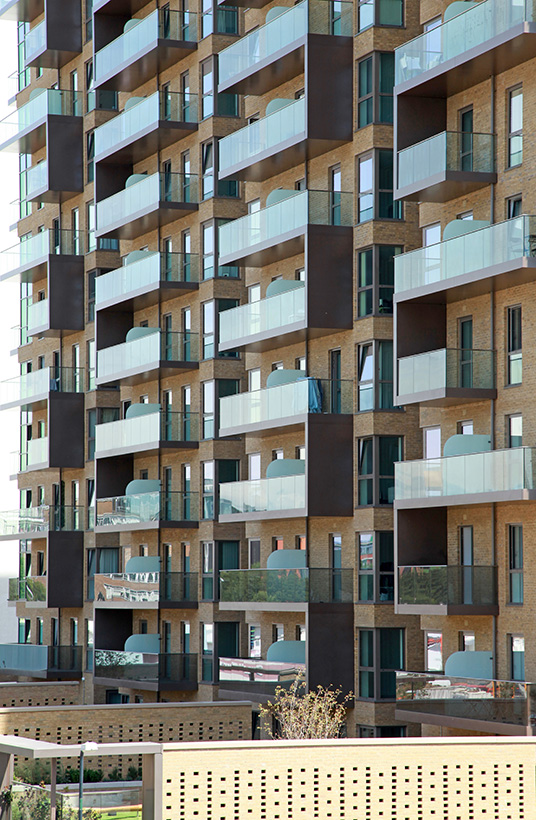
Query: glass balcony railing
{"points": [[145, 508], [42, 520], [496, 701], [444, 369], [164, 105], [497, 244], [298, 398], [36, 179], [448, 151], [36, 249], [307, 17], [447, 585], [291, 214], [263, 495], [148, 350], [152, 269], [27, 657], [272, 314], [38, 315], [134, 433], [495, 471], [37, 451], [137, 666], [28, 589], [287, 585], [32, 386], [458, 35], [142, 35], [257, 676], [146, 587], [35, 42], [146, 193], [261, 136], [51, 102]]}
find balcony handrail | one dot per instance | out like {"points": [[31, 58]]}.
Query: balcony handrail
{"points": [[171, 267], [447, 133], [466, 455], [250, 135]]}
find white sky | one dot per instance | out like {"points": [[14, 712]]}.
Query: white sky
{"points": [[9, 317]]}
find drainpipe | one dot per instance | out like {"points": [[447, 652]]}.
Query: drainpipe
{"points": [[492, 403]]}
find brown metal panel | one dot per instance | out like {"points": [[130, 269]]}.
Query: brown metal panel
{"points": [[112, 327], [65, 569], [64, 153], [418, 118], [330, 646], [66, 292], [329, 465], [112, 628], [421, 537], [328, 283], [113, 475], [66, 429], [328, 94], [431, 321]]}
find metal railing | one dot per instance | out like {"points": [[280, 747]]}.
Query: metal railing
{"points": [[447, 151], [144, 508], [287, 585], [447, 585], [138, 666]]}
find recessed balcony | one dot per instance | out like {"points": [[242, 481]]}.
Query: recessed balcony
{"points": [[145, 590], [147, 429], [37, 522], [490, 37], [146, 203], [145, 126], [258, 678], [447, 590], [51, 117], [446, 166], [52, 181], [275, 53], [57, 39], [474, 478], [147, 277], [501, 256], [51, 316], [500, 707], [141, 665], [286, 404], [146, 350], [38, 386], [278, 230], [147, 47], [147, 511], [288, 590], [37, 661], [448, 376], [56, 254]]}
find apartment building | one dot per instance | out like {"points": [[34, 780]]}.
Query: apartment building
{"points": [[464, 519], [208, 231]]}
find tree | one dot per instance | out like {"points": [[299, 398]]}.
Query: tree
{"points": [[300, 715]]}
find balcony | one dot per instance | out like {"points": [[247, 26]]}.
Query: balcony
{"points": [[52, 181], [56, 254], [145, 351], [258, 678], [147, 511], [146, 125], [146, 203], [23, 10], [284, 405], [37, 522], [447, 590], [279, 230], [146, 590], [147, 47], [263, 499], [146, 278], [475, 705], [37, 387], [36, 661], [277, 590], [499, 256], [475, 478], [147, 432], [446, 166], [30, 590], [51, 117], [274, 53], [57, 39], [443, 377], [488, 37], [36, 456], [145, 670], [49, 317]]}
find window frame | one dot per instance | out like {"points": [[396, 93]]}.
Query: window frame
{"points": [[376, 669], [374, 572], [517, 134], [375, 477], [376, 192], [515, 565], [513, 354], [376, 383], [375, 94], [375, 6], [376, 287]]}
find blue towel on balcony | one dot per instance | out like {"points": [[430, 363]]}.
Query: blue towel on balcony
{"points": [[315, 396]]}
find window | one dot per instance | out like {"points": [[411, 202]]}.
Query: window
{"points": [[208, 490], [301, 633], [380, 13], [207, 89], [254, 553], [515, 361], [432, 442], [517, 657], [91, 225], [207, 648], [376, 279], [375, 84], [90, 156], [515, 127], [254, 465], [208, 330], [92, 274], [381, 655], [375, 376], [365, 209], [25, 207], [433, 651], [376, 566], [515, 563], [208, 409], [207, 580], [465, 428], [89, 20], [23, 73], [376, 459], [277, 454], [207, 170], [382, 731], [25, 630], [514, 206], [254, 641], [375, 187], [514, 431], [278, 633], [206, 18], [467, 641]]}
